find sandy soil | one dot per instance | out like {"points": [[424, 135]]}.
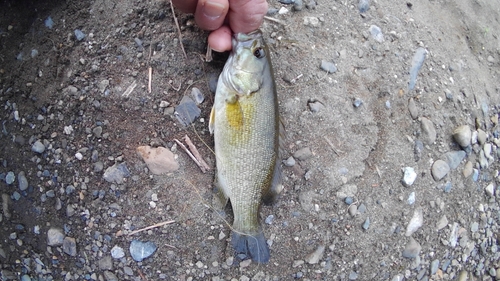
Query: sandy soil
{"points": [[360, 132]]}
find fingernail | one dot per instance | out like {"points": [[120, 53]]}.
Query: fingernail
{"points": [[213, 9]]}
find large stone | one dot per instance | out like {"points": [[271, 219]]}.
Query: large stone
{"points": [[159, 160], [462, 136], [439, 169]]}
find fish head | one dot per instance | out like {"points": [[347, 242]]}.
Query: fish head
{"points": [[247, 64]]}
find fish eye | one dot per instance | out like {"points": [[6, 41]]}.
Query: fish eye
{"points": [[259, 53]]}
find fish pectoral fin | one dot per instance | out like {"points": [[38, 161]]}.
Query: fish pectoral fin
{"points": [[211, 122], [253, 246]]}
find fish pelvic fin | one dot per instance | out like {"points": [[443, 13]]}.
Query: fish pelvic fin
{"points": [[253, 246], [211, 122]]}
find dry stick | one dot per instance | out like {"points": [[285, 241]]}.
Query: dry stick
{"points": [[151, 227], [273, 19], [190, 155], [178, 29], [195, 152], [149, 82]]}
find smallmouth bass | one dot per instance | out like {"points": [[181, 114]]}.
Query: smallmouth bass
{"points": [[246, 127]]}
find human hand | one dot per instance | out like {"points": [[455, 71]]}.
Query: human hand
{"points": [[224, 17]]}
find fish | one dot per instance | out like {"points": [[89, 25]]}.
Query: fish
{"points": [[247, 134]]}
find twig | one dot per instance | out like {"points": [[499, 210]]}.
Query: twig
{"points": [[296, 78], [190, 155], [129, 90], [149, 82], [273, 19], [178, 29], [331, 145], [208, 56], [151, 227], [195, 152]]}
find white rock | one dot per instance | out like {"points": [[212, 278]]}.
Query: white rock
{"points": [[490, 190], [79, 156], [416, 222], [409, 176], [68, 130], [159, 160]]}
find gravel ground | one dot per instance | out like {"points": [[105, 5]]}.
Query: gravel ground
{"points": [[391, 167]]}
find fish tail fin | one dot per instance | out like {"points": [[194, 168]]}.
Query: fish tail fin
{"points": [[253, 246]]}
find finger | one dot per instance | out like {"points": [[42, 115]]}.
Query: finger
{"points": [[210, 14], [246, 15], [220, 39], [186, 6]]}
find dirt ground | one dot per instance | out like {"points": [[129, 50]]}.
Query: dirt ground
{"points": [[357, 123]]}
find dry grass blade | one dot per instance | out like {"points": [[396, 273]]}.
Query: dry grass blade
{"points": [[178, 29], [151, 227]]}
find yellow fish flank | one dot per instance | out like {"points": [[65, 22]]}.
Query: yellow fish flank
{"points": [[246, 128]]}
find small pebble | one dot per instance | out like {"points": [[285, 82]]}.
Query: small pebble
{"points": [[442, 223], [412, 249], [269, 219], [197, 95], [409, 176], [462, 136], [69, 246], [490, 190], [303, 154], [289, 162], [366, 224], [376, 33], [55, 237], [315, 256], [411, 198], [79, 35], [434, 266], [428, 131], [416, 221], [10, 178], [453, 158], [117, 252], [357, 102], [140, 250], [412, 108], [38, 147], [439, 169], [328, 66], [363, 5]]}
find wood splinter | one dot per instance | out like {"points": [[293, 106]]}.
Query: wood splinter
{"points": [[201, 164]]}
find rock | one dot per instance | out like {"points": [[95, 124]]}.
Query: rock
{"points": [[10, 178], [453, 158], [315, 256], [490, 190], [117, 252], [97, 131], [409, 176], [416, 221], [197, 95], [116, 173], [412, 249], [362, 208], [353, 210], [79, 35], [55, 237], [411, 198], [366, 224], [462, 136], [23, 182], [38, 147], [315, 106], [439, 169], [434, 266], [418, 149], [363, 5], [303, 154], [376, 33], [311, 21], [69, 246], [5, 205], [428, 131], [468, 169], [105, 263], [442, 223], [290, 162], [357, 102], [481, 136], [328, 66], [98, 166], [103, 85], [159, 160], [140, 250], [187, 111], [353, 275], [110, 276], [298, 5], [412, 108], [348, 190]]}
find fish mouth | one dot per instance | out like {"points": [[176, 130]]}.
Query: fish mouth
{"points": [[245, 40]]}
